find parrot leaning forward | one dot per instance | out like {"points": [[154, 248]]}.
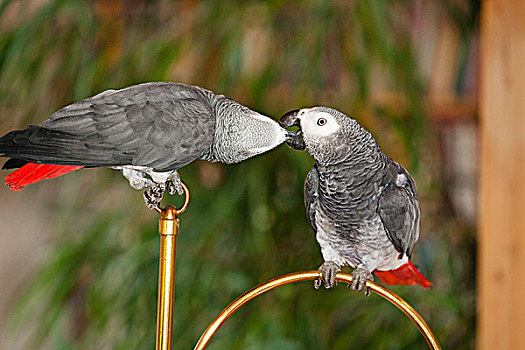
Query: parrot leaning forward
{"points": [[147, 131], [362, 205]]}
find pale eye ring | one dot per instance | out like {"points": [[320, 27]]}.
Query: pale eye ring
{"points": [[321, 121]]}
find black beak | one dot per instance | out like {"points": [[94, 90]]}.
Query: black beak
{"points": [[290, 119], [295, 140]]}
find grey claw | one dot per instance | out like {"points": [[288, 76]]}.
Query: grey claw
{"points": [[170, 186], [355, 282], [328, 271], [153, 195], [360, 276], [329, 279], [173, 186], [151, 201]]}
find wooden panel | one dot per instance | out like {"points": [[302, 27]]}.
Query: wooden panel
{"points": [[501, 268]]}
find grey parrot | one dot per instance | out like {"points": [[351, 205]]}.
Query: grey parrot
{"points": [[147, 131], [362, 205]]}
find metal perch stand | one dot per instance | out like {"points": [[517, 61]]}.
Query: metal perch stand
{"points": [[311, 275], [169, 229]]}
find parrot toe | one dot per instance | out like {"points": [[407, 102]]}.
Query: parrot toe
{"points": [[360, 276], [175, 185], [153, 195], [328, 271]]}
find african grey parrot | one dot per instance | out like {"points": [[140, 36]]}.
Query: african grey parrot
{"points": [[362, 205], [147, 131]]}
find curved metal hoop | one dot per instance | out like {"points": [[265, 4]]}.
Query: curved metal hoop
{"points": [[160, 210], [400, 303]]}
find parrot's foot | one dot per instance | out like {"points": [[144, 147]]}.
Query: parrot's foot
{"points": [[174, 184], [153, 195], [328, 271], [360, 276]]}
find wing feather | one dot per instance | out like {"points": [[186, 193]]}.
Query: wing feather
{"points": [[161, 125], [311, 195], [399, 210]]}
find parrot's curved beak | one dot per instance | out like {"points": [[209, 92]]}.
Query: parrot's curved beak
{"points": [[295, 140], [290, 119]]}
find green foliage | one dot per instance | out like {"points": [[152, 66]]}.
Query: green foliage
{"points": [[246, 224]]}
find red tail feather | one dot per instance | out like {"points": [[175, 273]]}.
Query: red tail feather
{"points": [[405, 274], [31, 173]]}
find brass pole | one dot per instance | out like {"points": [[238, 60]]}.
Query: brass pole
{"points": [[168, 231], [311, 275]]}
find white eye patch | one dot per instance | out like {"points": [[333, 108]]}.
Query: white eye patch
{"points": [[318, 124]]}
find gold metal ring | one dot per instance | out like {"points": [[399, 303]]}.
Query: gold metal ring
{"points": [[160, 210], [400, 303]]}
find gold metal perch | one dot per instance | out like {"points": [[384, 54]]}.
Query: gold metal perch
{"points": [[400, 303], [168, 231]]}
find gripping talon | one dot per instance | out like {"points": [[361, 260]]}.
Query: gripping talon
{"points": [[153, 195], [151, 201], [360, 276], [174, 186], [170, 187], [328, 271]]}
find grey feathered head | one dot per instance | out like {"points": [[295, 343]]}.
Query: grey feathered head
{"points": [[327, 134], [242, 133]]}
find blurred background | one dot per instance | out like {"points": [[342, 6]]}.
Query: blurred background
{"points": [[78, 254]]}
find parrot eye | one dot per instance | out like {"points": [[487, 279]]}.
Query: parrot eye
{"points": [[321, 121]]}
